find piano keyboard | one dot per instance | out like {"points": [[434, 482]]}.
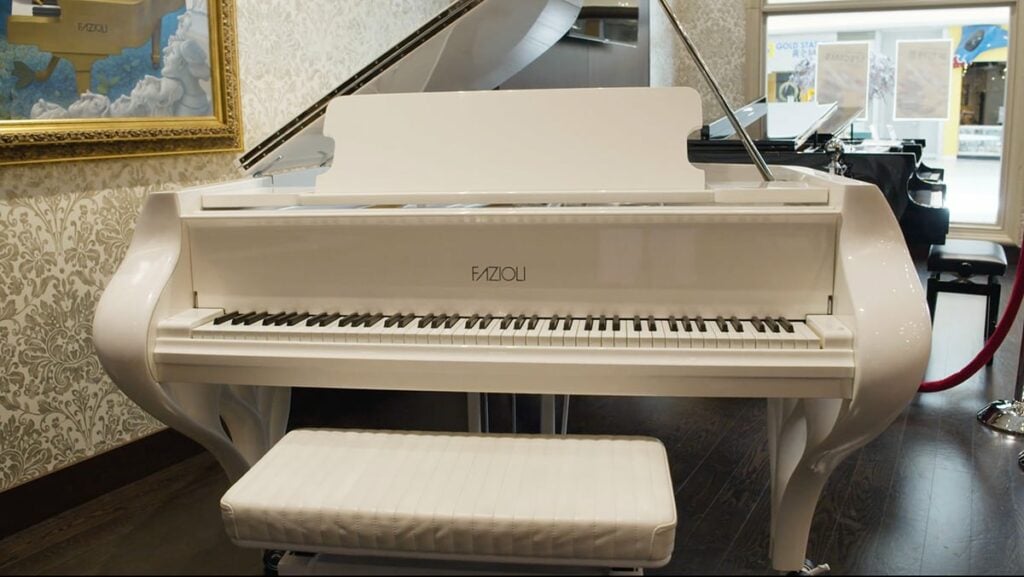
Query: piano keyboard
{"points": [[521, 330]]}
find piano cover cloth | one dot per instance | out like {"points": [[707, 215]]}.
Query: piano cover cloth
{"points": [[585, 501]]}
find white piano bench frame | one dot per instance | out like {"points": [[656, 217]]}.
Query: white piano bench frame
{"points": [[378, 502]]}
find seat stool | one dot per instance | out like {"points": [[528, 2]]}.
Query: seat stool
{"points": [[967, 259], [429, 498]]}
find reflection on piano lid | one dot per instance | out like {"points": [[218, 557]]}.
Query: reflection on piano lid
{"points": [[797, 134], [445, 54]]}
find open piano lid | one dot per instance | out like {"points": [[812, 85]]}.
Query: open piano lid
{"points": [[471, 45]]}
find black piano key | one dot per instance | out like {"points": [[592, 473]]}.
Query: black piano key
{"points": [[242, 318], [255, 319], [373, 320], [424, 321], [589, 326], [473, 320], [652, 324], [720, 321], [786, 325], [602, 323], [329, 319], [637, 326], [349, 319], [316, 319], [616, 323], [736, 324], [393, 320], [282, 321], [298, 319], [772, 325], [273, 318], [225, 318], [407, 320], [687, 325], [569, 322], [486, 322], [554, 323], [673, 324], [439, 321], [507, 322], [533, 323], [701, 326], [452, 321], [758, 324], [520, 322]]}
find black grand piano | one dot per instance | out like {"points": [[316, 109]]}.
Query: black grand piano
{"points": [[809, 134]]}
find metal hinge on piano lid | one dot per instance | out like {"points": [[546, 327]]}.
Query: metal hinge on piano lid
{"points": [[443, 55]]}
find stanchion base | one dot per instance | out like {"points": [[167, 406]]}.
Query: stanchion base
{"points": [[1004, 416]]}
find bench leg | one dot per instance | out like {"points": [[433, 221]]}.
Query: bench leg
{"points": [[933, 295], [994, 291]]}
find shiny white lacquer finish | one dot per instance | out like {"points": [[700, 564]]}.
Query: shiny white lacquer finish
{"points": [[715, 259], [415, 146]]}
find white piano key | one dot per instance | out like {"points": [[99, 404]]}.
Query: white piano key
{"points": [[660, 338], [533, 335], [460, 333], [632, 335], [735, 336], [748, 337], [519, 335], [608, 334], [719, 339], [806, 339]]}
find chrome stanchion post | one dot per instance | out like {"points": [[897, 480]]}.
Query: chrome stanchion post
{"points": [[1008, 416]]}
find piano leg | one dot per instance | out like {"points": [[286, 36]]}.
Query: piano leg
{"points": [[195, 411], [473, 402], [798, 473], [256, 417]]}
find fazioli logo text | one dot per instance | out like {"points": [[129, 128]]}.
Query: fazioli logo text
{"points": [[92, 27], [499, 274]]}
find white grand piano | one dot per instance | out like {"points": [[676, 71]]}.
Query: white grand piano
{"points": [[402, 236]]}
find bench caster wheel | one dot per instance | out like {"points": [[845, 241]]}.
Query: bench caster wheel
{"points": [[811, 569], [271, 557]]}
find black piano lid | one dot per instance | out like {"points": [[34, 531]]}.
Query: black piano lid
{"points": [[781, 126], [445, 54]]}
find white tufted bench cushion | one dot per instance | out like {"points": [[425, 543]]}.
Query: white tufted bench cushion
{"points": [[582, 501]]}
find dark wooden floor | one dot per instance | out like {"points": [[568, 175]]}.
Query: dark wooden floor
{"points": [[936, 493]]}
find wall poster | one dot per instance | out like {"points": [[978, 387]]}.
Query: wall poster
{"points": [[923, 79], [842, 76]]}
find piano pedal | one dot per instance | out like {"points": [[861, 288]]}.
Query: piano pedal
{"points": [[811, 569]]}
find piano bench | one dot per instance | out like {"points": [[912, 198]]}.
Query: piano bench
{"points": [[456, 502], [966, 259]]}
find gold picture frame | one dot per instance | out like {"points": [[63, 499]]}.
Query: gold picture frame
{"points": [[43, 139]]}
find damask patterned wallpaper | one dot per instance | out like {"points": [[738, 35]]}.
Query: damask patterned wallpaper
{"points": [[718, 29], [65, 227]]}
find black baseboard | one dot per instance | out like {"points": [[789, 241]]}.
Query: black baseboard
{"points": [[42, 498]]}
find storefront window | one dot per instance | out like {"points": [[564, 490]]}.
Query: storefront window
{"points": [[905, 56]]}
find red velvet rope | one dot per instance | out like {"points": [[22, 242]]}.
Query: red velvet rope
{"points": [[993, 343]]}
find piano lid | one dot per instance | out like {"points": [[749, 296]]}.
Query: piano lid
{"points": [[471, 45]]}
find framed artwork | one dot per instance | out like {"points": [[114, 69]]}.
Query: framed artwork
{"points": [[109, 78]]}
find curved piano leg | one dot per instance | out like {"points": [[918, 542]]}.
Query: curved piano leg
{"points": [[256, 417], [195, 411], [799, 471]]}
